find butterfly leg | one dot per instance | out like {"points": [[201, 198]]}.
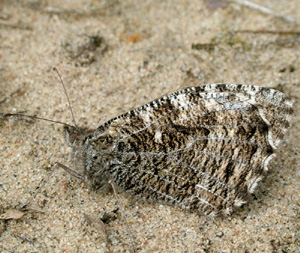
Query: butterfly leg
{"points": [[72, 172]]}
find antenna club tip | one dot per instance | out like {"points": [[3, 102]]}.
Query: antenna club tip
{"points": [[54, 69]]}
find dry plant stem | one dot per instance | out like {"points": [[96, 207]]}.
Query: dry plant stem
{"points": [[88, 12], [98, 225], [9, 96], [269, 32], [264, 10], [24, 238], [15, 26], [123, 213]]}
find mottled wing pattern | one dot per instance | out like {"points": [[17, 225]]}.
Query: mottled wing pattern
{"points": [[202, 148]]}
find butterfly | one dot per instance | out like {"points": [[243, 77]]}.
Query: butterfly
{"points": [[202, 148]]}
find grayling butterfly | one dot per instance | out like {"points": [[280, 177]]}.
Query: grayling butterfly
{"points": [[203, 148]]}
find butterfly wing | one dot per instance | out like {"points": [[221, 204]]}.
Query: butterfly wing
{"points": [[202, 148]]}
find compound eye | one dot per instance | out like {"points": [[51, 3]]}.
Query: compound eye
{"points": [[95, 156]]}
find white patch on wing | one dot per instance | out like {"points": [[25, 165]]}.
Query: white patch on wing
{"points": [[289, 103], [181, 101], [239, 202], [146, 115], [266, 161], [253, 183], [157, 136], [210, 103], [262, 115]]}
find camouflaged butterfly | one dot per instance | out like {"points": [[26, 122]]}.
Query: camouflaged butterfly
{"points": [[202, 148]]}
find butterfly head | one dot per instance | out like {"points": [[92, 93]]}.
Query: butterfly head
{"points": [[76, 138], [88, 162]]}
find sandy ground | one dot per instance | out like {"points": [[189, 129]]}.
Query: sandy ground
{"points": [[115, 56]]}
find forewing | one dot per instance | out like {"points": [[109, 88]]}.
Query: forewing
{"points": [[202, 148]]}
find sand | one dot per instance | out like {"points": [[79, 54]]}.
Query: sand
{"points": [[145, 50]]}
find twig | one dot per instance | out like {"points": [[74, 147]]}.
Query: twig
{"points": [[99, 225], [34, 209], [24, 238], [91, 11], [264, 10], [16, 26], [9, 96], [123, 215], [55, 10], [269, 32]]}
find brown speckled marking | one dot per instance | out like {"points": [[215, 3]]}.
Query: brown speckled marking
{"points": [[203, 148]]}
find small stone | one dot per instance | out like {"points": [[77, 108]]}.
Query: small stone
{"points": [[219, 234]]}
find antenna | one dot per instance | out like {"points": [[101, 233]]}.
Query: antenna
{"points": [[6, 115], [55, 69]]}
